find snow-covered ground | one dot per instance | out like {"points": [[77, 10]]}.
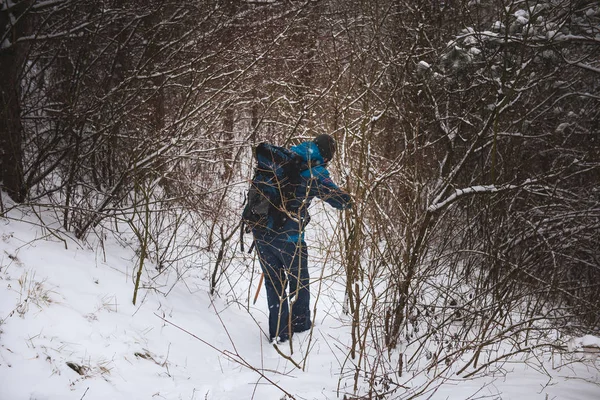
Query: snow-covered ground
{"points": [[69, 330]]}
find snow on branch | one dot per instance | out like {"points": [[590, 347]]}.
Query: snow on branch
{"points": [[588, 67], [70, 32], [46, 4], [469, 191]]}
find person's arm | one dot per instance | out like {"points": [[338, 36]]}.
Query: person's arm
{"points": [[325, 189]]}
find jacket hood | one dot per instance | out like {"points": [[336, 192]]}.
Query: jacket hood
{"points": [[309, 151]]}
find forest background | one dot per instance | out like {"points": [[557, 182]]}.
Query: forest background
{"points": [[467, 133]]}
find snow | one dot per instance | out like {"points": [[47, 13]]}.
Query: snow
{"points": [[561, 127], [470, 41], [522, 20], [422, 65], [584, 341], [521, 13], [439, 203], [498, 26], [522, 16], [65, 301]]}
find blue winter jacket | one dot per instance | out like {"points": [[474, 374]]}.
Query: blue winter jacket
{"points": [[315, 182]]}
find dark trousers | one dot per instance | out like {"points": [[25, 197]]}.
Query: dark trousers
{"points": [[285, 264]]}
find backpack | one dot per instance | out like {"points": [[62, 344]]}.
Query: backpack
{"points": [[276, 177]]}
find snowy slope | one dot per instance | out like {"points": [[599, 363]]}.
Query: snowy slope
{"points": [[69, 330]]}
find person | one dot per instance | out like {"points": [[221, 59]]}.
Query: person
{"points": [[282, 250]]}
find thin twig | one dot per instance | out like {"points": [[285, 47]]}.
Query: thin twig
{"points": [[235, 357]]}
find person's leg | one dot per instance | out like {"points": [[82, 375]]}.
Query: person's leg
{"points": [[299, 280], [275, 285]]}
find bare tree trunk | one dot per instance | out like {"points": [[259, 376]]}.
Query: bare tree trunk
{"points": [[11, 129]]}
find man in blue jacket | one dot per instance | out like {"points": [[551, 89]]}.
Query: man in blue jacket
{"points": [[282, 250]]}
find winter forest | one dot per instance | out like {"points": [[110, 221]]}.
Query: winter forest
{"points": [[468, 135]]}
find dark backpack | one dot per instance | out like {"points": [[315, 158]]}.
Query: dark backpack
{"points": [[276, 177]]}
